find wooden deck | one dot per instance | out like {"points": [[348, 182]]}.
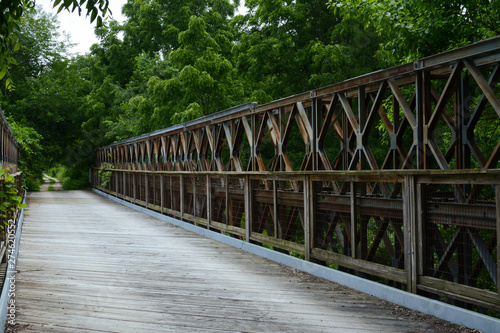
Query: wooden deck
{"points": [[87, 264]]}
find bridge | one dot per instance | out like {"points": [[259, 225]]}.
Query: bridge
{"points": [[388, 182]]}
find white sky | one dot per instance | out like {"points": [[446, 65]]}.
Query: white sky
{"points": [[79, 28]]}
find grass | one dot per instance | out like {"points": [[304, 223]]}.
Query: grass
{"points": [[32, 185], [51, 188]]}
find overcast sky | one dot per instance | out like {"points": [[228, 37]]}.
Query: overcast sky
{"points": [[79, 27]]}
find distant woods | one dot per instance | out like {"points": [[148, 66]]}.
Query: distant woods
{"points": [[173, 61]]}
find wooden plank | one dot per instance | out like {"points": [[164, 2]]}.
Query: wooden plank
{"points": [[410, 236], [106, 268], [382, 271], [279, 243], [461, 292], [227, 228], [248, 208]]}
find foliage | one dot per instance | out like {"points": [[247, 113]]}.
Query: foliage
{"points": [[31, 160], [9, 31], [12, 13], [416, 28], [287, 47], [105, 174], [43, 110], [10, 200]]}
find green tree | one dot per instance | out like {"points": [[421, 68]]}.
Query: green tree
{"points": [[413, 29], [11, 14], [31, 152], [154, 25], [178, 66], [204, 79], [115, 59], [286, 47], [44, 106]]}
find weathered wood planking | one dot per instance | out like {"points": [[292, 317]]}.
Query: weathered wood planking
{"points": [[87, 264]]}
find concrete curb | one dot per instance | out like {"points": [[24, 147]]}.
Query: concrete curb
{"points": [[438, 309]]}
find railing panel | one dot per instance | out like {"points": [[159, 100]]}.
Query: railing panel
{"points": [[218, 199], [460, 234], [365, 224]]}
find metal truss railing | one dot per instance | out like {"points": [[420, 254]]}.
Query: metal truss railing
{"points": [[392, 175]]}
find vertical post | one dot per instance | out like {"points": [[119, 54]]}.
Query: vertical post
{"points": [[181, 193], [248, 207], [281, 125], [275, 209], [209, 201], [394, 139], [362, 114], [354, 240], [228, 215], [154, 191], [315, 119], [307, 218], [427, 112], [124, 187], [253, 154], [420, 231], [420, 101], [162, 193], [146, 188], [498, 237], [409, 225], [117, 181], [193, 179], [134, 186], [171, 186]]}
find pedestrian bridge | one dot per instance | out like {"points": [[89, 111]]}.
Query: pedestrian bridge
{"points": [[388, 183]]}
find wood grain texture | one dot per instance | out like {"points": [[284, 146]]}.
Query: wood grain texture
{"points": [[87, 264]]}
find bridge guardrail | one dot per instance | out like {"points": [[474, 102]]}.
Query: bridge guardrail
{"points": [[10, 232], [411, 233], [9, 157], [392, 175]]}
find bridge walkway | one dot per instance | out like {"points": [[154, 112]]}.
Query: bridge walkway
{"points": [[88, 264]]}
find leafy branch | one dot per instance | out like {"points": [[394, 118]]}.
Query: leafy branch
{"points": [[105, 174], [10, 200]]}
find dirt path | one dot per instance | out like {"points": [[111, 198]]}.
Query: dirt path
{"points": [[55, 184]]}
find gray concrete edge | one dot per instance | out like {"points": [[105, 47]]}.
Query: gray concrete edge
{"points": [[438, 309], [10, 273]]}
